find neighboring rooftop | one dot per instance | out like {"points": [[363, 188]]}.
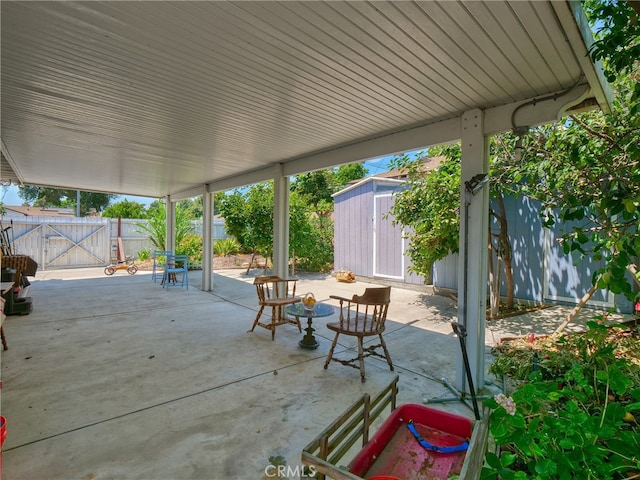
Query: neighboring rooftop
{"points": [[28, 211], [428, 164]]}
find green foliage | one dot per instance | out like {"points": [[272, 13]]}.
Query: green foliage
{"points": [[617, 36], [191, 245], [348, 173], [64, 198], [226, 246], [430, 207], [311, 237], [249, 218], [144, 254], [192, 206], [586, 173], [579, 424], [156, 225], [317, 187], [125, 209]]}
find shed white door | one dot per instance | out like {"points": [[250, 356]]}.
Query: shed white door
{"points": [[388, 244]]}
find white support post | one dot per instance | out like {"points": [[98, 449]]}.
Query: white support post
{"points": [[170, 234], [207, 239], [474, 215], [280, 223]]}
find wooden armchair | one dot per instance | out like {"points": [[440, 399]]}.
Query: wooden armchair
{"points": [[277, 293], [362, 316]]}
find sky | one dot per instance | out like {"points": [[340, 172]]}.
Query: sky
{"points": [[9, 195]]}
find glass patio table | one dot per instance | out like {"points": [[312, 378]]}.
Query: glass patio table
{"points": [[319, 310]]}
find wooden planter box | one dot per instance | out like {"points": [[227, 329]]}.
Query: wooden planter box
{"points": [[392, 450]]}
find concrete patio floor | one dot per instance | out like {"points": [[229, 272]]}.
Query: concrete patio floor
{"points": [[117, 378]]}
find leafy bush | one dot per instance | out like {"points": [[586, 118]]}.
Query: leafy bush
{"points": [[577, 423], [144, 254], [226, 246], [315, 250], [191, 244], [156, 227]]}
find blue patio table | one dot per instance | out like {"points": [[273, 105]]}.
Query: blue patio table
{"points": [[319, 310]]}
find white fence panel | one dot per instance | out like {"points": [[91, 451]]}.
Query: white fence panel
{"points": [[69, 242]]}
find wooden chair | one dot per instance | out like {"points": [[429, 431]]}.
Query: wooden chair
{"points": [[277, 293], [362, 316]]}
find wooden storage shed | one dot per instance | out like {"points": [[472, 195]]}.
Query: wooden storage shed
{"points": [[366, 241]]}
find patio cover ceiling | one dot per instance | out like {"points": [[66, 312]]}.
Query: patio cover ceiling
{"points": [[163, 98]]}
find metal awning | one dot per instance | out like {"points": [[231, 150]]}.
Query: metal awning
{"points": [[163, 98]]}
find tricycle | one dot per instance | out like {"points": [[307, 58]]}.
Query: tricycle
{"points": [[127, 264]]}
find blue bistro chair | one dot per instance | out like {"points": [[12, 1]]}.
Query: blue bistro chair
{"points": [[176, 271], [159, 261]]}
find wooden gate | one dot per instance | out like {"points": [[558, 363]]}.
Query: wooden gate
{"points": [[63, 243]]}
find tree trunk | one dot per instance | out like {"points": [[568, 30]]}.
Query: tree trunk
{"points": [[585, 298], [253, 257], [504, 250], [494, 282]]}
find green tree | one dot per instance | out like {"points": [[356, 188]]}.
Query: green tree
{"points": [[430, 206], [232, 208], [193, 206], [587, 169], [156, 225], [617, 32], [125, 209], [259, 209], [317, 187], [248, 217], [64, 198], [348, 173], [310, 237]]}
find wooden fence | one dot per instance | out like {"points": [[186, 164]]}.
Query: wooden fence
{"points": [[55, 242]]}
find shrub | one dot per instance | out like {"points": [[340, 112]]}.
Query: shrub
{"points": [[226, 246], [144, 254], [579, 423], [191, 244]]}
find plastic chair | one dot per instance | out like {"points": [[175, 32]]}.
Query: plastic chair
{"points": [[277, 293], [158, 266], [176, 271], [362, 316]]}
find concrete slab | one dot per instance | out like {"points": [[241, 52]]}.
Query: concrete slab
{"points": [[115, 377]]}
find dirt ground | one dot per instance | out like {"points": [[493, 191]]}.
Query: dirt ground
{"points": [[219, 263]]}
